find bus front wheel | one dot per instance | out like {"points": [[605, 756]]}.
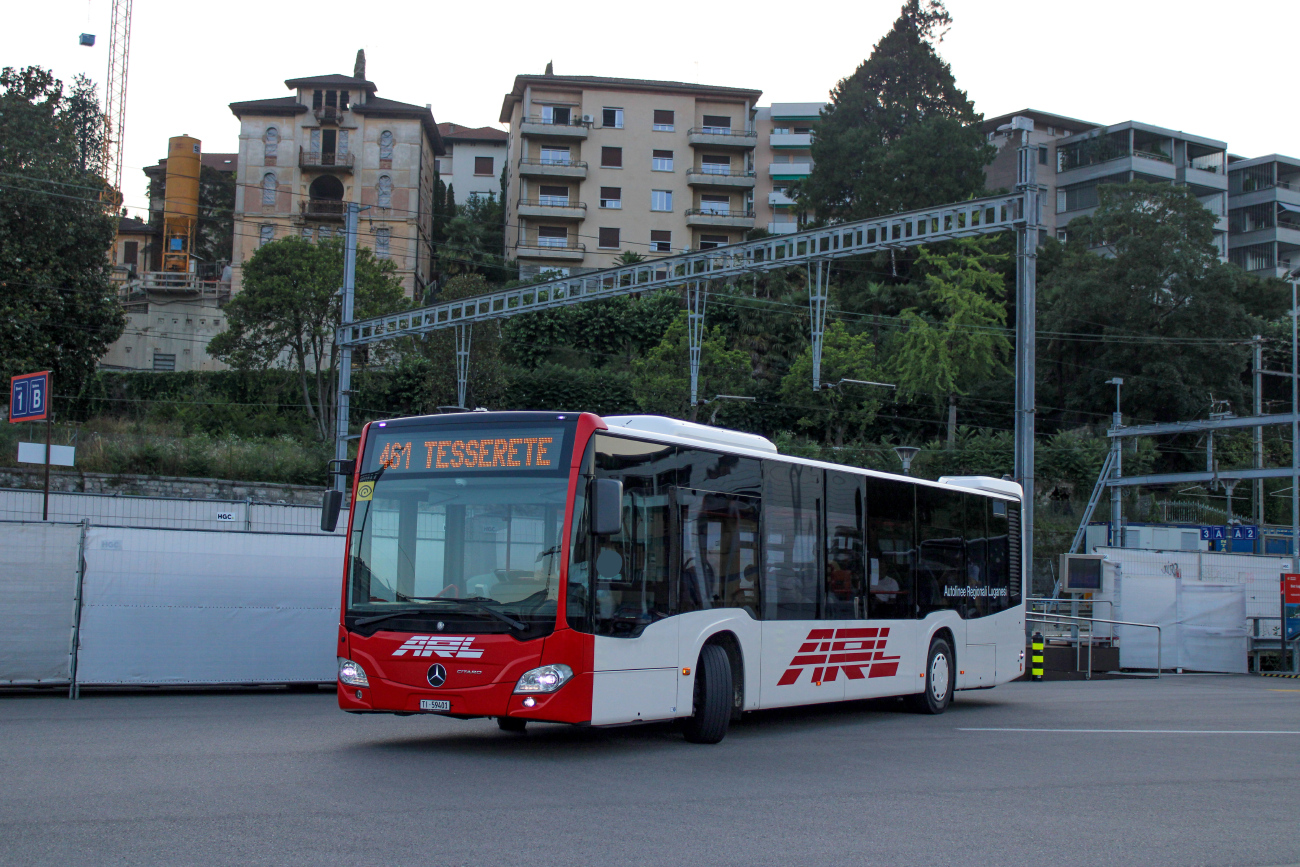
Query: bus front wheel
{"points": [[939, 680], [713, 697]]}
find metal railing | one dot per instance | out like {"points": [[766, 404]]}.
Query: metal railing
{"points": [[553, 202], [323, 209], [542, 247], [1153, 155], [722, 130], [322, 160], [1069, 619], [564, 164], [575, 122], [720, 212], [719, 171]]}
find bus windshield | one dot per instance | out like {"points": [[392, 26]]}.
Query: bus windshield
{"points": [[465, 543]]}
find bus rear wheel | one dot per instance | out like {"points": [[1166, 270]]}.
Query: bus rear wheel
{"points": [[511, 724], [939, 680], [713, 697]]}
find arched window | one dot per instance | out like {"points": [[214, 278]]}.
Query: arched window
{"points": [[384, 192], [271, 144], [269, 187], [265, 235], [386, 145]]}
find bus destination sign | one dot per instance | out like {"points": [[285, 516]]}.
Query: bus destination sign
{"points": [[523, 450]]}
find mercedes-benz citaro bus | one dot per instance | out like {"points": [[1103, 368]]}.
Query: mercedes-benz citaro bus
{"points": [[563, 567]]}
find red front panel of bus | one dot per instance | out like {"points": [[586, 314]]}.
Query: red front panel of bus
{"points": [[476, 674]]}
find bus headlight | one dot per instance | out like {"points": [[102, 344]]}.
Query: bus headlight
{"points": [[548, 678], [352, 674]]}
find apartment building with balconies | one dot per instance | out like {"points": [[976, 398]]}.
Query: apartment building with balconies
{"points": [[473, 159], [1133, 151], [1045, 130], [1264, 214], [604, 166], [304, 157], [785, 133]]}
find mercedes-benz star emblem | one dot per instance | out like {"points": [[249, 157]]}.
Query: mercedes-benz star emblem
{"points": [[437, 675]]}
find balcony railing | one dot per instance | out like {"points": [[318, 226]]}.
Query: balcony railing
{"points": [[553, 202], [1153, 155], [323, 209], [329, 113], [720, 171], [720, 212], [578, 122], [542, 248], [313, 160], [722, 130], [562, 164]]}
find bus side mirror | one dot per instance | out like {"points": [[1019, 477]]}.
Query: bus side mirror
{"points": [[606, 507], [329, 510]]}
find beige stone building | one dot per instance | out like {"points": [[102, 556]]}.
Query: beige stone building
{"points": [[603, 166], [303, 157], [785, 132]]}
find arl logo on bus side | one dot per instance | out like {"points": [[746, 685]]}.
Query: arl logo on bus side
{"points": [[859, 652], [443, 645]]}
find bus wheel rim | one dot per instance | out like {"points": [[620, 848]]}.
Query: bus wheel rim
{"points": [[939, 674]]}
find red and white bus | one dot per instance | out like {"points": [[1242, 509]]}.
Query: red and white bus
{"points": [[564, 567]]}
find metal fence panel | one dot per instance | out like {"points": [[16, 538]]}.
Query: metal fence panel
{"points": [[166, 512], [38, 587], [184, 606]]}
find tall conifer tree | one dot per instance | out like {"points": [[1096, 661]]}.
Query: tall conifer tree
{"points": [[898, 133]]}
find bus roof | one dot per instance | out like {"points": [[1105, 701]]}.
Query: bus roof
{"points": [[675, 432]]}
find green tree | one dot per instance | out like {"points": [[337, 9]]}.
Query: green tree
{"points": [[58, 307], [611, 332], [1158, 308], [288, 310], [898, 133], [663, 380], [215, 233], [965, 344], [838, 410]]}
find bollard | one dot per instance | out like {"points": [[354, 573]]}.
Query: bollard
{"points": [[1036, 658]]}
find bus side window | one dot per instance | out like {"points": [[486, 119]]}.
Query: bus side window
{"points": [[976, 601], [792, 553], [719, 545], [891, 549], [941, 564], [999, 580], [845, 591]]}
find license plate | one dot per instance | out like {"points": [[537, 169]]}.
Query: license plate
{"points": [[434, 704]]}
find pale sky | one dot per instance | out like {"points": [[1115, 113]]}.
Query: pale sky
{"points": [[1201, 67]]}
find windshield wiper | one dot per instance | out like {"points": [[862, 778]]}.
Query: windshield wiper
{"points": [[366, 621], [479, 602]]}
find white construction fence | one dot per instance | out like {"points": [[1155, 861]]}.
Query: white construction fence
{"points": [[1208, 606], [82, 605]]}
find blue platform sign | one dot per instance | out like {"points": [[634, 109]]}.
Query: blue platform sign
{"points": [[1236, 532], [29, 396]]}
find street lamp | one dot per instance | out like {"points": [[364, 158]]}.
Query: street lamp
{"points": [[1294, 278], [1118, 382], [906, 454]]}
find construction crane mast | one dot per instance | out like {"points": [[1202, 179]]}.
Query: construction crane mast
{"points": [[119, 52]]}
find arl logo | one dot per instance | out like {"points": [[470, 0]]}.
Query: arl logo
{"points": [[442, 645], [859, 652]]}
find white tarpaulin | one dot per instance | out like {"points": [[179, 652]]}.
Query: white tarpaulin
{"points": [[38, 601], [1203, 624], [193, 606]]}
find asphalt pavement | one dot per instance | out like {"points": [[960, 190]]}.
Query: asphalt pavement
{"points": [[1187, 770]]}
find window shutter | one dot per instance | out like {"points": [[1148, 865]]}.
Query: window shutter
{"points": [[717, 120], [608, 237], [611, 192], [552, 232], [663, 117], [661, 235], [611, 157], [483, 166], [663, 155]]}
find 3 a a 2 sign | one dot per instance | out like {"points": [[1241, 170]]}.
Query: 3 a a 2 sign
{"points": [[1236, 532], [29, 396]]}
